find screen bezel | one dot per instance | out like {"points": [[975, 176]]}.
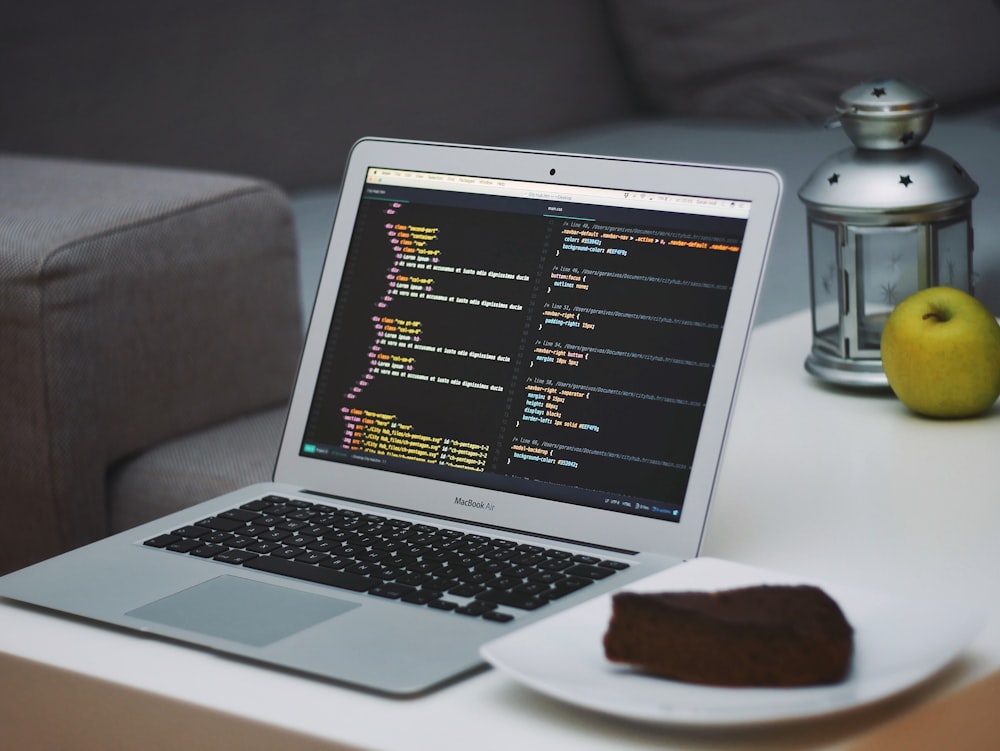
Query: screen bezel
{"points": [[556, 519]]}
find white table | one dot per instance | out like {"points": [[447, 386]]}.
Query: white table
{"points": [[816, 482]]}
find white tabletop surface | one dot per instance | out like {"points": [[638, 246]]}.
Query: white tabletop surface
{"points": [[816, 482]]}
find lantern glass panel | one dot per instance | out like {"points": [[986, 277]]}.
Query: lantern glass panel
{"points": [[891, 267], [826, 288], [953, 242]]}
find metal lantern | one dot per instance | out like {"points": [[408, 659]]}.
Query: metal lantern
{"points": [[885, 219]]}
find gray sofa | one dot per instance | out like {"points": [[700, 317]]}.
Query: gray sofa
{"points": [[168, 173]]}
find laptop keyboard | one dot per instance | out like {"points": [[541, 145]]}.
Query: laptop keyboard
{"points": [[472, 575]]}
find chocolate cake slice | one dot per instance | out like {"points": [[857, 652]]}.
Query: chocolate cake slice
{"points": [[766, 635]]}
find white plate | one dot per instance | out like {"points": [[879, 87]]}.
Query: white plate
{"points": [[897, 644]]}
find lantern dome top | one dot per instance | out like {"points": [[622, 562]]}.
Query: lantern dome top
{"points": [[886, 114], [889, 177], [860, 181]]}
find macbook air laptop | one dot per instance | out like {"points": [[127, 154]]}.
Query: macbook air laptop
{"points": [[513, 395]]}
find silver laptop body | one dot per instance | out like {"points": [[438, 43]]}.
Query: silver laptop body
{"points": [[529, 354]]}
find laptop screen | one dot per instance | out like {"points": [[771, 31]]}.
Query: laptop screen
{"points": [[549, 340]]}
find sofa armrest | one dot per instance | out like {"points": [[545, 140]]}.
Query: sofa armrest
{"points": [[136, 305]]}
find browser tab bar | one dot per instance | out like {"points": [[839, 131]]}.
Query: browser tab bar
{"points": [[562, 193]]}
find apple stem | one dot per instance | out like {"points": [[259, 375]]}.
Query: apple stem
{"points": [[936, 314]]}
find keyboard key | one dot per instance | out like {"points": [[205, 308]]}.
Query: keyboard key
{"points": [[568, 586], [466, 590], [413, 580], [191, 530], [274, 535], [591, 572], [220, 524], [527, 559], [385, 546], [388, 572], [490, 567], [273, 499], [475, 608], [418, 567], [241, 515], [518, 572], [440, 584], [161, 541], [217, 537], [474, 577], [420, 596], [364, 569], [554, 564], [256, 505], [531, 588], [317, 574], [311, 557], [526, 548], [390, 590], [615, 565], [209, 551], [235, 556], [262, 547], [498, 555], [373, 555], [288, 552], [279, 509], [184, 546], [546, 577], [519, 600], [498, 616], [320, 546]]}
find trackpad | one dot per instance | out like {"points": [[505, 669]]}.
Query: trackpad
{"points": [[242, 610]]}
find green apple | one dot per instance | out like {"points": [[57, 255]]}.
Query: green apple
{"points": [[941, 353]]}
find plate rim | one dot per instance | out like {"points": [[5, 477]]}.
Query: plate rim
{"points": [[966, 621]]}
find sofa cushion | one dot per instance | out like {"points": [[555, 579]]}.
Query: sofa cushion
{"points": [[194, 468], [136, 305], [791, 59]]}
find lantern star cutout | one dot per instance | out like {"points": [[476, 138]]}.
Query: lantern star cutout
{"points": [[907, 137], [878, 91], [833, 179], [905, 180]]}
